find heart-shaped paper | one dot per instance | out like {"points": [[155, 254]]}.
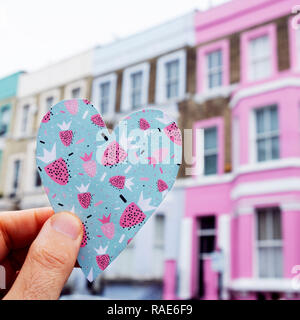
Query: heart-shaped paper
{"points": [[113, 182]]}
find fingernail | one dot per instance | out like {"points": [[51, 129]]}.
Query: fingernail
{"points": [[67, 224]]}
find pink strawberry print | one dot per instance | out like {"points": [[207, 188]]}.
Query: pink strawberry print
{"points": [[113, 154], [132, 216], [47, 117], [173, 133], [103, 261], [66, 135], [85, 237], [86, 101], [72, 106], [89, 165], [97, 120], [161, 185], [58, 171], [108, 228], [84, 197], [144, 124], [117, 181]]}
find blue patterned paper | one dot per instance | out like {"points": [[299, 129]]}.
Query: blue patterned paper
{"points": [[113, 182]]}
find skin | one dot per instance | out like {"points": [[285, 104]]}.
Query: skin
{"points": [[38, 251]]}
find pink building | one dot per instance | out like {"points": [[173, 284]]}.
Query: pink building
{"points": [[239, 231]]}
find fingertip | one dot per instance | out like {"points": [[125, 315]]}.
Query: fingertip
{"points": [[67, 223]]}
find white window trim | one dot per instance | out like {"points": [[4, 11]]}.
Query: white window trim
{"points": [[81, 84], [250, 75], [256, 247], [7, 134], [253, 138], [126, 85], [207, 72], [211, 151], [20, 109], [55, 93], [200, 152], [160, 90], [199, 149], [10, 173], [112, 79]]}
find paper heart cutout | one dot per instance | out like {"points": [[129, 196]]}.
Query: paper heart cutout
{"points": [[113, 182]]}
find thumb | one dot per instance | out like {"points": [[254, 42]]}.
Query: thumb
{"points": [[50, 259]]}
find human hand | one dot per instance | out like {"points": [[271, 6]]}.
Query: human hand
{"points": [[38, 251]]}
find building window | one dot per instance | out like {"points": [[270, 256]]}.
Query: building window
{"points": [[104, 93], [37, 180], [25, 118], [16, 173], [267, 135], [206, 245], [172, 79], [135, 87], [210, 151], [136, 80], [4, 120], [269, 243], [104, 97], [75, 93], [259, 58], [159, 231], [49, 102], [214, 69], [207, 234]]}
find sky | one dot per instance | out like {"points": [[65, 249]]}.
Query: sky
{"points": [[36, 33]]}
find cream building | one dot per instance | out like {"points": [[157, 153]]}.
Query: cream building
{"points": [[37, 92]]}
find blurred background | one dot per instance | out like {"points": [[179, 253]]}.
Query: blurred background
{"points": [[229, 72]]}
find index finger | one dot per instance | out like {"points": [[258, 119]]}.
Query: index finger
{"points": [[19, 228]]}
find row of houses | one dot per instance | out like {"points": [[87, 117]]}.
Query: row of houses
{"points": [[233, 72]]}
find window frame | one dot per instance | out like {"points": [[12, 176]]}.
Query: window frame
{"points": [[136, 89], [81, 84], [104, 99], [198, 147], [9, 108], [10, 174], [211, 151], [55, 94], [96, 96], [32, 110], [170, 81], [206, 232], [160, 89], [214, 70], [268, 30], [202, 68], [267, 243], [254, 138], [126, 86], [156, 245], [77, 89]]}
